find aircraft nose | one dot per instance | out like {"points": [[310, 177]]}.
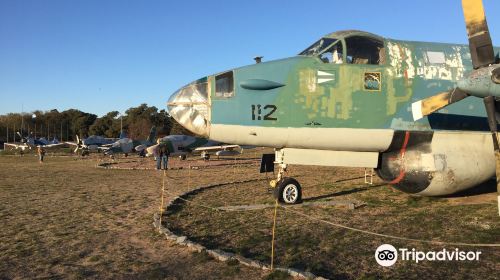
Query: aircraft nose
{"points": [[189, 106]]}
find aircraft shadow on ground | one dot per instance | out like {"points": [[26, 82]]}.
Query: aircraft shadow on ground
{"points": [[344, 192], [484, 188]]}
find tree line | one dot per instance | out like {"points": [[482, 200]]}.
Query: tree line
{"points": [[65, 125]]}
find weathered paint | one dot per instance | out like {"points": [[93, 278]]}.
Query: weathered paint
{"points": [[351, 107], [334, 95]]}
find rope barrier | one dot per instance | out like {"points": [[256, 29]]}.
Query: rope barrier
{"points": [[317, 220], [195, 203], [390, 236], [352, 228]]}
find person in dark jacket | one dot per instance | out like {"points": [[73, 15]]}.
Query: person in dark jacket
{"points": [[164, 158]]}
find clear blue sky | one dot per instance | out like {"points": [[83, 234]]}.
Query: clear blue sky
{"points": [[99, 56]]}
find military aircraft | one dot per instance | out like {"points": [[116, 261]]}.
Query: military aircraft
{"points": [[90, 144], [127, 145], [29, 142], [182, 145], [358, 99], [93, 143]]}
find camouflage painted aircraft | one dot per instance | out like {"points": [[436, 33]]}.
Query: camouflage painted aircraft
{"points": [[182, 145], [357, 99], [127, 145]]}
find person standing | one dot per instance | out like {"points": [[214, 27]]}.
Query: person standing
{"points": [[159, 155], [166, 153], [41, 154]]}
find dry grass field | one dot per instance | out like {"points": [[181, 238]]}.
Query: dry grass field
{"points": [[67, 219]]}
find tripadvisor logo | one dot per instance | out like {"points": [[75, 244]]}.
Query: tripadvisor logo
{"points": [[387, 255]]}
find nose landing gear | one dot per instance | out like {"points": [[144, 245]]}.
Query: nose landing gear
{"points": [[286, 189]]}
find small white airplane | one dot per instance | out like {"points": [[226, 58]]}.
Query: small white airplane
{"points": [[31, 142]]}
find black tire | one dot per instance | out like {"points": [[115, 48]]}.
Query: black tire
{"points": [[288, 191], [183, 157]]}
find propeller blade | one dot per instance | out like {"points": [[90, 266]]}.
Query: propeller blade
{"points": [[431, 104], [481, 47], [489, 104], [76, 149]]}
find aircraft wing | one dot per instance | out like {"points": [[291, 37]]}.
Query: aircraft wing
{"points": [[54, 145], [217, 148], [105, 146], [71, 143], [14, 145]]}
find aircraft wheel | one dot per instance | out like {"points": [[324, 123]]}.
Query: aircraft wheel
{"points": [[206, 157], [183, 157], [288, 191]]}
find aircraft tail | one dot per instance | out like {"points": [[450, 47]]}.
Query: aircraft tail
{"points": [[152, 135], [123, 134]]}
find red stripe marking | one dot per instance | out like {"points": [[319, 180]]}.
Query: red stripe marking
{"points": [[402, 156]]}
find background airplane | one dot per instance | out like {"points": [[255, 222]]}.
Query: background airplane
{"points": [[347, 101], [183, 145], [127, 145], [93, 143], [29, 142]]}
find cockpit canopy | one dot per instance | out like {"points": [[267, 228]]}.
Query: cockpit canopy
{"points": [[352, 47]]}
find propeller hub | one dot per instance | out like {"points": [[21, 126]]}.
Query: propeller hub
{"points": [[481, 82]]}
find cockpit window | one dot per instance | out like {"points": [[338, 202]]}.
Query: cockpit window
{"points": [[224, 84], [365, 50], [333, 54], [318, 47]]}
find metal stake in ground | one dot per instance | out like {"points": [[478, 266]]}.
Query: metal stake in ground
{"points": [[162, 198], [274, 228]]}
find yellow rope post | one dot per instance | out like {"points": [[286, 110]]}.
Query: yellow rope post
{"points": [[234, 168], [274, 229], [162, 196], [189, 176]]}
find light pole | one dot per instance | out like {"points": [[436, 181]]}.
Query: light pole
{"points": [[22, 119], [121, 124], [33, 117]]}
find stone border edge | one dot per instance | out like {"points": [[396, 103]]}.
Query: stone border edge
{"points": [[216, 253]]}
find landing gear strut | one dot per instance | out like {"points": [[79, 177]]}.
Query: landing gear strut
{"points": [[286, 189]]}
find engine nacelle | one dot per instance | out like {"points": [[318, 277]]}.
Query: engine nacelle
{"points": [[437, 163], [227, 153], [140, 148], [93, 147]]}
